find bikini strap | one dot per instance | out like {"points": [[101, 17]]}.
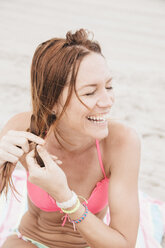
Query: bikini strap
{"points": [[100, 159]]}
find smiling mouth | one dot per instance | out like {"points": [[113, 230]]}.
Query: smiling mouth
{"points": [[98, 119]]}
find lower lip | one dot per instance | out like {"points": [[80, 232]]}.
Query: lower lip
{"points": [[97, 123]]}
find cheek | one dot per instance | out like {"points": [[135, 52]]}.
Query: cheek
{"points": [[90, 102], [75, 110]]}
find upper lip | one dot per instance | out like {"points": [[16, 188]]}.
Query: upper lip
{"points": [[99, 114]]}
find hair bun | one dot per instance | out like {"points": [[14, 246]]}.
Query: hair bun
{"points": [[78, 38]]}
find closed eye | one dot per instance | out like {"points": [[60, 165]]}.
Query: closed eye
{"points": [[109, 88], [92, 93]]}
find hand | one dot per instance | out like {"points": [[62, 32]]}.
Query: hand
{"points": [[14, 144], [50, 178]]}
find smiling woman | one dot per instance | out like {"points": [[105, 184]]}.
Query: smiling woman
{"points": [[79, 162]]}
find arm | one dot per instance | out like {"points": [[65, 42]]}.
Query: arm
{"points": [[123, 198]]}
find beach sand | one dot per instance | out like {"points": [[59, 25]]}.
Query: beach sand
{"points": [[132, 35]]}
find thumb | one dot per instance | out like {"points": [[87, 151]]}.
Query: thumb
{"points": [[33, 167], [45, 156]]}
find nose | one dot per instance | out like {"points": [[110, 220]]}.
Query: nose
{"points": [[106, 99]]}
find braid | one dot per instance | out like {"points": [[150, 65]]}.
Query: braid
{"points": [[35, 130]]}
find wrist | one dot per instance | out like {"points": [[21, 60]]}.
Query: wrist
{"points": [[75, 212], [79, 212], [64, 196]]}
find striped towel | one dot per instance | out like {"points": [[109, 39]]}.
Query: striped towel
{"points": [[152, 221], [152, 214], [12, 210]]}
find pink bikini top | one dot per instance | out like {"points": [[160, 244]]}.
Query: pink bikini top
{"points": [[96, 202]]}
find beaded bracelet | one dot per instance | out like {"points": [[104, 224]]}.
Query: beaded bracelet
{"points": [[65, 217], [82, 217]]}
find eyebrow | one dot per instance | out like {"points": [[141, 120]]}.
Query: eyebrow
{"points": [[94, 84]]}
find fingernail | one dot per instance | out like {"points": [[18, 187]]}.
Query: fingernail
{"points": [[54, 157], [59, 162]]}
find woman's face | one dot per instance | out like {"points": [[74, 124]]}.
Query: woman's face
{"points": [[93, 86]]}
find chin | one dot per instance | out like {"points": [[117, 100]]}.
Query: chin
{"points": [[100, 134], [96, 130]]}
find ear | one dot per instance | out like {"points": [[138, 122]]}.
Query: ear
{"points": [[58, 106], [54, 109]]}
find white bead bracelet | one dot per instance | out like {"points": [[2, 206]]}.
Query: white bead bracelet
{"points": [[69, 203]]}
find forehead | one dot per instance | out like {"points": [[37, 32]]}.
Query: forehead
{"points": [[93, 69]]}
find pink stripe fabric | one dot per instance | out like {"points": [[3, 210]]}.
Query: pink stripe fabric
{"points": [[100, 159]]}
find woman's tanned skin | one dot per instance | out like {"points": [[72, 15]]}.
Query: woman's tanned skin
{"points": [[80, 169]]}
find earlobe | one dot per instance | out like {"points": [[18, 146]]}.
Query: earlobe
{"points": [[54, 110]]}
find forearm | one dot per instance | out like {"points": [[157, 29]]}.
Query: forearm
{"points": [[96, 233]]}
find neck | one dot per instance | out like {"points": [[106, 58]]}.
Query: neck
{"points": [[70, 141]]}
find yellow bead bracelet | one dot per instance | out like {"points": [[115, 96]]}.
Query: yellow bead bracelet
{"points": [[72, 210]]}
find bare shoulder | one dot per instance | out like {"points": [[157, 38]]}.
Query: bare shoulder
{"points": [[121, 139], [120, 133], [19, 122]]}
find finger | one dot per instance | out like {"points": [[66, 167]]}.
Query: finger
{"points": [[21, 142], [31, 154], [8, 157], [30, 136], [12, 149], [35, 171], [46, 157], [53, 156], [30, 159]]}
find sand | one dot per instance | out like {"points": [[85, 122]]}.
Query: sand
{"points": [[132, 36]]}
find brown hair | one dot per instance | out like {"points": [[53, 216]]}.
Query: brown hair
{"points": [[55, 63]]}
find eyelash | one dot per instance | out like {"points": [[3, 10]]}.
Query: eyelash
{"points": [[89, 94]]}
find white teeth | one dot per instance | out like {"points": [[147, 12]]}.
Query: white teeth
{"points": [[98, 118]]}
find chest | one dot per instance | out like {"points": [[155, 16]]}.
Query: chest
{"points": [[82, 172], [84, 176]]}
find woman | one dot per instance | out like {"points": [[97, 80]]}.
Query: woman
{"points": [[73, 151]]}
